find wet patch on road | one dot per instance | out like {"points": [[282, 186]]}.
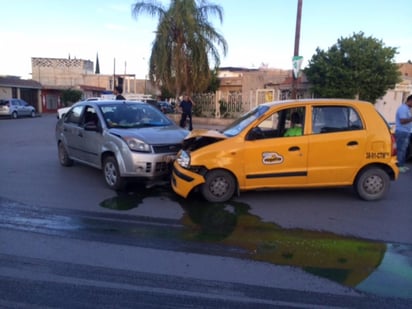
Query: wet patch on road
{"points": [[370, 266], [226, 229]]}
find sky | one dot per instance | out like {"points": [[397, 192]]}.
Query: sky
{"points": [[259, 32]]}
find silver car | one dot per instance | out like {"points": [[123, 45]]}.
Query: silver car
{"points": [[15, 108], [126, 139]]}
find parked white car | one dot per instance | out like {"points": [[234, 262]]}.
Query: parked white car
{"points": [[63, 110]]}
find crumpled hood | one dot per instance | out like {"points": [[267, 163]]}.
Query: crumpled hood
{"points": [[153, 135], [202, 137], [206, 133]]}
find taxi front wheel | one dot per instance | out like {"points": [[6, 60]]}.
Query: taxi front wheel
{"points": [[219, 186], [372, 184]]}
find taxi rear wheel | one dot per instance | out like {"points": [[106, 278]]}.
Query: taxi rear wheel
{"points": [[372, 184], [219, 186]]}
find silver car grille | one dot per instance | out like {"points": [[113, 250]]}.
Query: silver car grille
{"points": [[170, 148]]}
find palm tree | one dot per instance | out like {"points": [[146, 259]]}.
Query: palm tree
{"points": [[184, 46]]}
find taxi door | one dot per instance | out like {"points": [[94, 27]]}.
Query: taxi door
{"points": [[272, 159], [337, 145]]}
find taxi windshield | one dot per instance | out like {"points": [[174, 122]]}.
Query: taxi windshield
{"points": [[241, 123]]}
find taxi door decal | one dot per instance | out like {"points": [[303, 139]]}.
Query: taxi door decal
{"points": [[271, 158]]}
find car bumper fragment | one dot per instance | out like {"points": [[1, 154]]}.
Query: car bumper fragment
{"points": [[184, 181]]}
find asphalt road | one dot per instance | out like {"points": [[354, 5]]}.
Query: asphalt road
{"points": [[67, 241]]}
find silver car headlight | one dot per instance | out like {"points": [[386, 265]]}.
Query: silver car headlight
{"points": [[183, 159], [136, 144]]}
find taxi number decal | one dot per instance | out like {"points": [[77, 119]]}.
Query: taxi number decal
{"points": [[271, 158], [377, 155]]}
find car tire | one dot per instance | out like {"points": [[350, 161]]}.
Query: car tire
{"points": [[372, 184], [112, 175], [14, 115], [220, 186], [33, 114], [64, 156]]}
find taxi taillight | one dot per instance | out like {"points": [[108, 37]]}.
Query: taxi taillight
{"points": [[393, 145]]}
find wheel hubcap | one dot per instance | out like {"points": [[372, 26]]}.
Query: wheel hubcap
{"points": [[373, 185], [110, 174], [219, 186]]}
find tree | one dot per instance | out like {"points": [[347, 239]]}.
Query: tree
{"points": [[185, 44], [355, 67], [70, 96], [214, 81]]}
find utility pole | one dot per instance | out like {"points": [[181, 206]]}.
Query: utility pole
{"points": [[296, 50], [114, 73]]}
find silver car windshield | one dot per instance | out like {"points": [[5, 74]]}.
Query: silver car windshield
{"points": [[133, 115]]}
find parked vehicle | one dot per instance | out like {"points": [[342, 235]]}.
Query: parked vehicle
{"points": [[342, 143], [15, 108], [165, 107], [63, 110], [127, 140]]}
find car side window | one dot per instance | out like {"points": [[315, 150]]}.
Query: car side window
{"points": [[90, 116], [284, 123], [326, 119], [74, 115]]}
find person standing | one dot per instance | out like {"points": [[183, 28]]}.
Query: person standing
{"points": [[186, 106], [118, 93], [403, 123]]}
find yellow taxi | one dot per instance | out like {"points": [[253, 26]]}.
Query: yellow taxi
{"points": [[291, 144]]}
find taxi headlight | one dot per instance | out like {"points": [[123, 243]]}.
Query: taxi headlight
{"points": [[136, 144], [183, 159]]}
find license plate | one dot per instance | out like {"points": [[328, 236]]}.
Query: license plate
{"points": [[169, 158]]}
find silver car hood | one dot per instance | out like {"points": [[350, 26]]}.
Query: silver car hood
{"points": [[153, 135]]}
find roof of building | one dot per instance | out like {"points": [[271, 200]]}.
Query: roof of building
{"points": [[16, 81]]}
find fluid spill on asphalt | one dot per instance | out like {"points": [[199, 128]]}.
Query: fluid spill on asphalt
{"points": [[369, 266]]}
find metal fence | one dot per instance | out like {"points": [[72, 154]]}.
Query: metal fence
{"points": [[230, 104]]}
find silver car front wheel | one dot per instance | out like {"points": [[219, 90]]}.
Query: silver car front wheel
{"points": [[63, 155], [112, 174]]}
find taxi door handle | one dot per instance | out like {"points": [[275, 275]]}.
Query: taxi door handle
{"points": [[352, 143], [294, 148]]}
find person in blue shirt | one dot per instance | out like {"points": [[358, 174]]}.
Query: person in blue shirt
{"points": [[403, 129], [186, 105]]}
